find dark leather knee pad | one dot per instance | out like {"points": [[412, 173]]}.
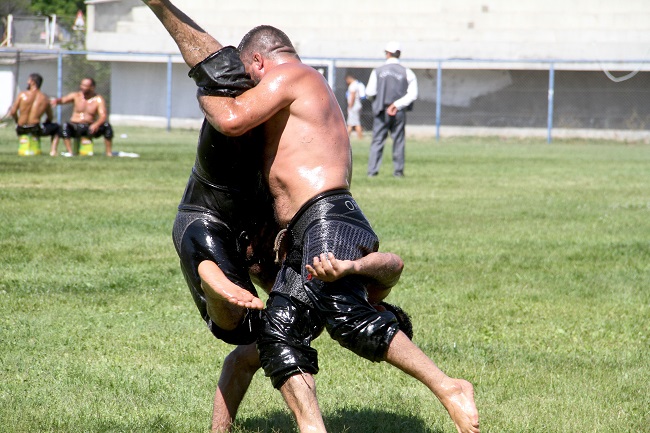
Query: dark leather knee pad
{"points": [[283, 343], [352, 321]]}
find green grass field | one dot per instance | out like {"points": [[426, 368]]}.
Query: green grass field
{"points": [[527, 273]]}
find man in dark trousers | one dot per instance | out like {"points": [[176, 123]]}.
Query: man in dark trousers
{"points": [[392, 89]]}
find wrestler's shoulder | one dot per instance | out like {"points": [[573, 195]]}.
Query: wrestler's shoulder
{"points": [[42, 95], [295, 68]]}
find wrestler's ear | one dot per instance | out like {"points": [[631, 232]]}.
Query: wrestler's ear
{"points": [[258, 61]]}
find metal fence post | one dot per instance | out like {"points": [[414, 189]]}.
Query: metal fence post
{"points": [[551, 95], [59, 84], [438, 98], [169, 93]]}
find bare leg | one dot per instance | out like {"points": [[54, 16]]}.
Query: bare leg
{"points": [[108, 143], [68, 145], [377, 294], [54, 145], [217, 286], [226, 301], [359, 131], [239, 367], [300, 394], [456, 395]]}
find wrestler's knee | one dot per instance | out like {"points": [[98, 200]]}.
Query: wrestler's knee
{"points": [[280, 361], [67, 130], [108, 130], [368, 336], [246, 332], [244, 359], [280, 371], [284, 340], [354, 323]]}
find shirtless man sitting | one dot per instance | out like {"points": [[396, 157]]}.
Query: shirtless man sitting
{"points": [[307, 166], [28, 109], [89, 116]]}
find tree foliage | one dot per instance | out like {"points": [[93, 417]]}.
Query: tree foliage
{"points": [[15, 7], [62, 8]]}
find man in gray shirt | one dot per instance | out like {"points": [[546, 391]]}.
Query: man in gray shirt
{"points": [[392, 89]]}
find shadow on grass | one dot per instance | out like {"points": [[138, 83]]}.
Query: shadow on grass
{"points": [[343, 421]]}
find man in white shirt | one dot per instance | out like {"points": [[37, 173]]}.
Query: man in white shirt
{"points": [[393, 88], [356, 91]]}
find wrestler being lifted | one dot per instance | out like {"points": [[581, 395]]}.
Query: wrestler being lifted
{"points": [[307, 165], [225, 227]]}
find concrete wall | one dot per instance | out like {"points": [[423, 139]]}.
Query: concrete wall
{"points": [[505, 93], [7, 89], [10, 84], [128, 79], [503, 29]]}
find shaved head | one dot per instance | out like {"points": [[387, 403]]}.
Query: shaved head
{"points": [[266, 40]]}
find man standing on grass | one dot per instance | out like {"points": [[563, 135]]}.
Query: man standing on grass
{"points": [[356, 91], [392, 88], [307, 165]]}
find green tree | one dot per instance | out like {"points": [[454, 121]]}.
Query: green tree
{"points": [[62, 8], [15, 7]]}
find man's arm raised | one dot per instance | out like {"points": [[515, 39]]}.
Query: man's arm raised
{"points": [[193, 42], [218, 71]]}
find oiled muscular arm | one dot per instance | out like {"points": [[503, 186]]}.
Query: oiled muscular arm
{"points": [[101, 115], [235, 116], [193, 42], [13, 111]]}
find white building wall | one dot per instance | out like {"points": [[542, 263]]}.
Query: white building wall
{"points": [[149, 82], [7, 89], [11, 85], [427, 29], [355, 32]]}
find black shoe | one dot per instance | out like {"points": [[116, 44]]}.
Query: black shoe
{"points": [[372, 174], [398, 174]]}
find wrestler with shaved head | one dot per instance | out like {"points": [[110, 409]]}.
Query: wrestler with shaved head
{"points": [[306, 163]]}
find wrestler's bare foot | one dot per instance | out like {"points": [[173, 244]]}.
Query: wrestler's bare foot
{"points": [[218, 287], [458, 398], [456, 395]]}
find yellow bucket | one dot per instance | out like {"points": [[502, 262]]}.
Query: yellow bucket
{"points": [[86, 146], [29, 145]]}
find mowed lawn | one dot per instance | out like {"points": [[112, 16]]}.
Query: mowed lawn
{"points": [[527, 273]]}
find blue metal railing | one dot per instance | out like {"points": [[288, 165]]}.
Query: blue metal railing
{"points": [[332, 63]]}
